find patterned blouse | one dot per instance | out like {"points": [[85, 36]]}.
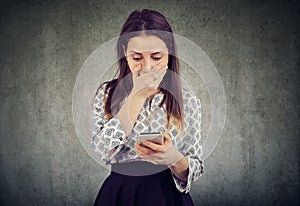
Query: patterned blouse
{"points": [[111, 145]]}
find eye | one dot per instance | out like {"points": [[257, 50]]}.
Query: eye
{"points": [[136, 58], [156, 58]]}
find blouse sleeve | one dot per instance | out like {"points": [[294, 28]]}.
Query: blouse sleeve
{"points": [[190, 146], [108, 135]]}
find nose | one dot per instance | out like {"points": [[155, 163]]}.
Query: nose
{"points": [[146, 65]]}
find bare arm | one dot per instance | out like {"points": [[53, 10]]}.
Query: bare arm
{"points": [[130, 111], [144, 86], [180, 169]]}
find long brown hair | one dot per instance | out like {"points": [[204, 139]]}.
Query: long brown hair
{"points": [[147, 22]]}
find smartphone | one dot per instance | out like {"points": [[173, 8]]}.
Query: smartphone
{"points": [[155, 137]]}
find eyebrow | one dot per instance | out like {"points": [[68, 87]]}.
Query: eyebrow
{"points": [[158, 52]]}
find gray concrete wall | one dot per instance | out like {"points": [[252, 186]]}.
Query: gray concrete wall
{"points": [[254, 44]]}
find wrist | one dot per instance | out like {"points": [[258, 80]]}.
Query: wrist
{"points": [[137, 96], [178, 160], [180, 169], [145, 93], [176, 156]]}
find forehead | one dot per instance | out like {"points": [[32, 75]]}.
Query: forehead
{"points": [[146, 43]]}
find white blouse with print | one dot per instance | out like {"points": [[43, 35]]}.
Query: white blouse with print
{"points": [[111, 145]]}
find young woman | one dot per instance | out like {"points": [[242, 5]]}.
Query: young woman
{"points": [[147, 97]]}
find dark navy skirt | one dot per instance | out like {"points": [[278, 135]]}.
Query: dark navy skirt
{"points": [[121, 188]]}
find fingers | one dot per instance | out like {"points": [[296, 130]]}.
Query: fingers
{"points": [[159, 71], [153, 146], [155, 71], [157, 147], [147, 83], [167, 139], [160, 75], [154, 77], [151, 73], [143, 151]]}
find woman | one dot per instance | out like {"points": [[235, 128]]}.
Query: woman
{"points": [[147, 97]]}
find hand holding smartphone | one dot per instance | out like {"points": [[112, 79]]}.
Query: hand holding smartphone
{"points": [[155, 137]]}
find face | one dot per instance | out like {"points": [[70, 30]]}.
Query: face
{"points": [[145, 53]]}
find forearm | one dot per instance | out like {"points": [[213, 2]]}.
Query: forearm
{"points": [[129, 112], [180, 169]]}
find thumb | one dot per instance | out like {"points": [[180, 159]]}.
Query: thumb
{"points": [[167, 139]]}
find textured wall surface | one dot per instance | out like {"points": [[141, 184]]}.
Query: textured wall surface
{"points": [[254, 45]]}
